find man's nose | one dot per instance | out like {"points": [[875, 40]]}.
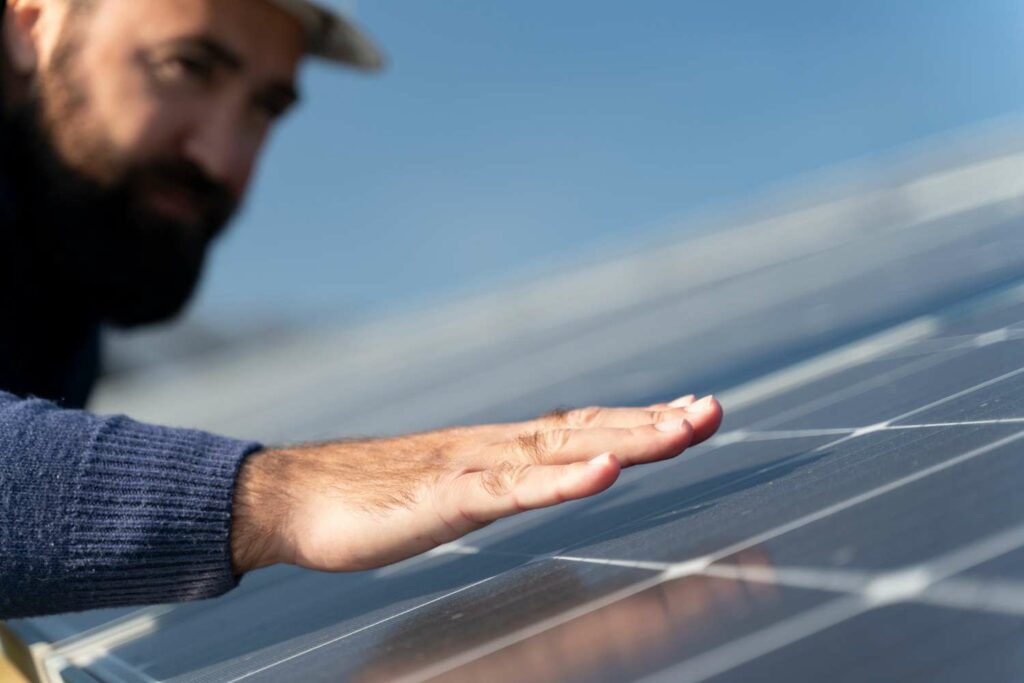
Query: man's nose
{"points": [[217, 143]]}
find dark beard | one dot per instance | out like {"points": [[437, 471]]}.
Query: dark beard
{"points": [[126, 263]]}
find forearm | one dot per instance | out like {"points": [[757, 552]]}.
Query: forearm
{"points": [[101, 512]]}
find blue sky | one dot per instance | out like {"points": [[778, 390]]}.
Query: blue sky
{"points": [[507, 134]]}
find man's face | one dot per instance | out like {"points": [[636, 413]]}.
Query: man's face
{"points": [[152, 114]]}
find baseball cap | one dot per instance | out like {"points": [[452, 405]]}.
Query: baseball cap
{"points": [[333, 35]]}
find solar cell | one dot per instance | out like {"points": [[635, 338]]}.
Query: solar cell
{"points": [[900, 643], [926, 517]]}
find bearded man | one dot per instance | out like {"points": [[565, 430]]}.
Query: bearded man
{"points": [[129, 132]]}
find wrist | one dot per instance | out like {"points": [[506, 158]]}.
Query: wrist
{"points": [[256, 507]]}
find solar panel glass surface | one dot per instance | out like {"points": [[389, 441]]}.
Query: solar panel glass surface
{"points": [[865, 524]]}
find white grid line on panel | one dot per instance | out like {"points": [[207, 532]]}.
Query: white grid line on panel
{"points": [[834, 580], [652, 565], [993, 596], [962, 423], [747, 436], [959, 394]]}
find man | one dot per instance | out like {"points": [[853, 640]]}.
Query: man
{"points": [[130, 130]]}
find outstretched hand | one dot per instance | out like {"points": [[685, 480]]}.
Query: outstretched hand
{"points": [[360, 504]]}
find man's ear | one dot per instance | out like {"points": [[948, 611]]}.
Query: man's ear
{"points": [[21, 24]]}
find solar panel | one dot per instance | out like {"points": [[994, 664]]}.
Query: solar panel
{"points": [[858, 516]]}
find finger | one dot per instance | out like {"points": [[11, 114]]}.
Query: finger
{"points": [[596, 416], [483, 497], [614, 418], [680, 402], [631, 446], [705, 416]]}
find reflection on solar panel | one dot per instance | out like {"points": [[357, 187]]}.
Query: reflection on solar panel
{"points": [[858, 517]]}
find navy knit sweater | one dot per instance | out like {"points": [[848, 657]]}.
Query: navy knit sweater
{"points": [[101, 512], [94, 511]]}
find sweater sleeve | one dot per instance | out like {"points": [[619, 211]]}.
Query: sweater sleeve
{"points": [[106, 511]]}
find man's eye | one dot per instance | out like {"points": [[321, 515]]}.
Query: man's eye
{"points": [[184, 68]]}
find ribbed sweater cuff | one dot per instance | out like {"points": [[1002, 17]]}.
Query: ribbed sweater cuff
{"points": [[150, 517]]}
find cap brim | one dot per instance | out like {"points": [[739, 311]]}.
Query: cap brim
{"points": [[333, 36]]}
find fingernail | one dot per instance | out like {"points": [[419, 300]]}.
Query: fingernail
{"points": [[702, 405], [683, 401], [670, 426], [600, 460]]}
